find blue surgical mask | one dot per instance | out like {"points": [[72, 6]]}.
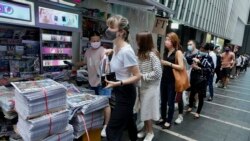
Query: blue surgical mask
{"points": [[190, 48]]}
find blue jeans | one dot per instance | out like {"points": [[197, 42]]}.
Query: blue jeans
{"points": [[210, 85], [101, 91]]}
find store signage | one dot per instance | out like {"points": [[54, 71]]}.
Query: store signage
{"points": [[59, 18], [160, 26], [15, 11], [47, 50], [61, 38], [50, 63]]}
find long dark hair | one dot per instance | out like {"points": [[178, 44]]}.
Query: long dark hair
{"points": [[146, 45]]}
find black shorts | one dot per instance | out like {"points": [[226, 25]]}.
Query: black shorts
{"points": [[226, 72]]}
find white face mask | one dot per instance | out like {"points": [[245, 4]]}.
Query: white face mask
{"points": [[190, 48], [95, 45]]}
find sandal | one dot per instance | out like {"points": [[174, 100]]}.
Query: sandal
{"points": [[189, 110], [196, 116], [166, 125]]}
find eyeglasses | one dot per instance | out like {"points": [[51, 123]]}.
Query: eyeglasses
{"points": [[190, 44]]}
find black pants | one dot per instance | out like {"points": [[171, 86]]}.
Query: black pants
{"points": [[218, 74], [201, 91], [122, 114], [179, 100], [167, 98]]}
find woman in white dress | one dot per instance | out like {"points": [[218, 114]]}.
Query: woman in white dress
{"points": [[151, 71]]}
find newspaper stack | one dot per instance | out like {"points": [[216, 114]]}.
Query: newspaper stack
{"points": [[39, 128], [7, 102], [67, 135], [41, 108], [36, 98], [87, 112]]}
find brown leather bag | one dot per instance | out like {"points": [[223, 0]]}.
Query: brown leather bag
{"points": [[181, 78]]}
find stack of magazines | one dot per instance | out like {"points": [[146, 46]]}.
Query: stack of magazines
{"points": [[36, 98], [7, 102], [41, 108], [87, 112]]}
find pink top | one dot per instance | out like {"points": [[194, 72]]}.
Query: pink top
{"points": [[93, 58]]}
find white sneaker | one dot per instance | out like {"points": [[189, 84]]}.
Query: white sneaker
{"points": [[141, 134], [179, 119], [103, 133], [149, 137]]}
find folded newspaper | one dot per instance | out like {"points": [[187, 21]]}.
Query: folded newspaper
{"points": [[42, 127], [36, 98]]}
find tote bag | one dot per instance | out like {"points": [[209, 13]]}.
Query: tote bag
{"points": [[181, 78]]}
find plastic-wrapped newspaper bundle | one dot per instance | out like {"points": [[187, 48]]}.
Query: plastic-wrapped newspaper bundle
{"points": [[39, 128], [7, 102], [87, 112], [67, 135], [36, 98]]}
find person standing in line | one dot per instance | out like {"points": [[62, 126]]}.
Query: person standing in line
{"points": [[218, 65], [151, 71], [238, 63], [168, 93], [211, 77], [125, 66], [227, 63], [202, 68]]}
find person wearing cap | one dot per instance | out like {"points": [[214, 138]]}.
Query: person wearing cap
{"points": [[227, 63]]}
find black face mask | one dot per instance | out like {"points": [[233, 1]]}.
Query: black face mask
{"points": [[110, 35]]}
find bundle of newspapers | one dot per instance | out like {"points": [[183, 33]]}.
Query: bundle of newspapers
{"points": [[39, 128], [36, 98], [86, 112], [7, 102], [41, 108], [67, 135]]}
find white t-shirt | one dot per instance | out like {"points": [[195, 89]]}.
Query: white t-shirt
{"points": [[214, 58], [121, 61]]}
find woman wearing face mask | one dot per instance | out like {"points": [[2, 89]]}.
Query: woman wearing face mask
{"points": [[202, 67], [125, 66], [172, 52], [92, 58]]}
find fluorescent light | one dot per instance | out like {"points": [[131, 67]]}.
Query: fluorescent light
{"points": [[174, 25], [67, 3]]}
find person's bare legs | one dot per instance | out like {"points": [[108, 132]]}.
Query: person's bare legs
{"points": [[107, 112]]}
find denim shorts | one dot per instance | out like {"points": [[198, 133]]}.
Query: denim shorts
{"points": [[102, 91]]}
